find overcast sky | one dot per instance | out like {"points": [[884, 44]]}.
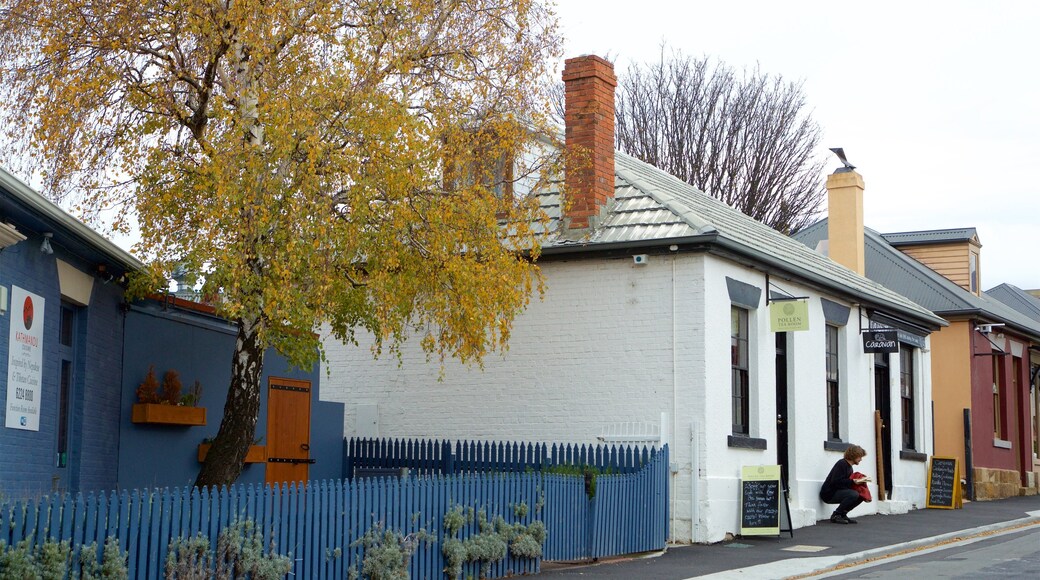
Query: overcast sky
{"points": [[936, 103]]}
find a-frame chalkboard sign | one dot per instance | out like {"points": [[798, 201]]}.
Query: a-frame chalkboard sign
{"points": [[944, 483], [763, 501]]}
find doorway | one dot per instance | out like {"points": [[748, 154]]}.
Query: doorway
{"points": [[782, 457], [288, 430], [882, 403]]}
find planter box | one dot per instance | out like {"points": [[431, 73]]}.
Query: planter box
{"points": [[256, 454], [168, 414]]}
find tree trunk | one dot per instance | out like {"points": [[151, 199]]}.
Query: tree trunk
{"points": [[227, 455]]}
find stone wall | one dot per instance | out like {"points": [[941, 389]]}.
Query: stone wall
{"points": [[1002, 483]]}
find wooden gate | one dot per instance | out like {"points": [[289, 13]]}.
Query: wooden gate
{"points": [[288, 430]]}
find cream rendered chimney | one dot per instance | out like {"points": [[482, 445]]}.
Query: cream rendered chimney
{"points": [[845, 219]]}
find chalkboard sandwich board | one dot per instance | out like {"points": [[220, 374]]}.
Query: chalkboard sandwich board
{"points": [[760, 500], [944, 483]]}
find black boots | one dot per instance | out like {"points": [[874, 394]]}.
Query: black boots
{"points": [[839, 518]]}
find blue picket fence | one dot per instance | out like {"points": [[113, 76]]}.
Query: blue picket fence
{"points": [[431, 457], [628, 514]]}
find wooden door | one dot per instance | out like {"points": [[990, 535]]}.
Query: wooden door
{"points": [[288, 430]]}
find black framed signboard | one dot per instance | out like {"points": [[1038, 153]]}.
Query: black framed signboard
{"points": [[944, 483]]}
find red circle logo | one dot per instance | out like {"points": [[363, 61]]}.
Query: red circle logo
{"points": [[27, 312]]}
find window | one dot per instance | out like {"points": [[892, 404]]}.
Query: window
{"points": [[906, 395], [66, 337], [973, 272], [1034, 374], [999, 428], [478, 158], [739, 363], [833, 392]]}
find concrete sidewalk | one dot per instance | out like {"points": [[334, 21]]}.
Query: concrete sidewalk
{"points": [[817, 548]]}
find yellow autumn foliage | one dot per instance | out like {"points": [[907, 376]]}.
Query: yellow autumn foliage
{"points": [[312, 160]]}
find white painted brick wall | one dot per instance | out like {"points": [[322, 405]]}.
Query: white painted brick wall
{"points": [[615, 342]]}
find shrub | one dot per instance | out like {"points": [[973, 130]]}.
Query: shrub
{"points": [[51, 561], [171, 388], [148, 390], [240, 554], [387, 552]]}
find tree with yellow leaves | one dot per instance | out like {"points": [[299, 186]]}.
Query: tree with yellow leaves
{"points": [[312, 161]]}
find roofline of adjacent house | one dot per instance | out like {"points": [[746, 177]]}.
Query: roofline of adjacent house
{"points": [[986, 316], [709, 240], [36, 202]]}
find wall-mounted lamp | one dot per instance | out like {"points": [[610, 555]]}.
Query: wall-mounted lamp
{"points": [[45, 247], [987, 328], [103, 274]]}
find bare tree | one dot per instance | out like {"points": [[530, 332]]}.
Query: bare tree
{"points": [[746, 139]]}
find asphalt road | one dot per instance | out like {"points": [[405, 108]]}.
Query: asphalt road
{"points": [[1010, 555]]}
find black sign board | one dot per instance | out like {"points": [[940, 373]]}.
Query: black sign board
{"points": [[944, 484], [878, 341], [760, 506]]}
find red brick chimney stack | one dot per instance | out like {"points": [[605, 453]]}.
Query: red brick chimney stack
{"points": [[589, 82]]}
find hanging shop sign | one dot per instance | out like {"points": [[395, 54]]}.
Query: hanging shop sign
{"points": [[788, 315], [880, 341]]}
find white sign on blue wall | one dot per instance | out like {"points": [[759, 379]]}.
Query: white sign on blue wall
{"points": [[25, 361]]}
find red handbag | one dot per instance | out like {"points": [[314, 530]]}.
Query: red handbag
{"points": [[861, 488]]}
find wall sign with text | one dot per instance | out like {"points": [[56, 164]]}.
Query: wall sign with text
{"points": [[878, 341], [788, 315], [25, 361]]}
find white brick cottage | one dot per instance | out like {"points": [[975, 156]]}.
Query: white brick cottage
{"points": [[656, 316]]}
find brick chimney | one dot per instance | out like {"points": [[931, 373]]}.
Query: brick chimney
{"points": [[845, 219], [589, 82]]}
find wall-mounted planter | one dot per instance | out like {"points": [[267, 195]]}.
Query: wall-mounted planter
{"points": [[256, 454], [168, 414]]}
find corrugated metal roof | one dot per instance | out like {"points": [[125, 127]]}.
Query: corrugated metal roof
{"points": [[1017, 298], [892, 268], [652, 205], [932, 237]]}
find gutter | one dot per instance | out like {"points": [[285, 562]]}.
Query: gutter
{"points": [[35, 202], [701, 241]]}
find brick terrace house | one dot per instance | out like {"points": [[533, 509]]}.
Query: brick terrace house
{"points": [[656, 315]]}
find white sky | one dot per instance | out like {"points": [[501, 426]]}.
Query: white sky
{"points": [[936, 103]]}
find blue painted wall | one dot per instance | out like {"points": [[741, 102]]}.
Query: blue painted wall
{"points": [[28, 459], [199, 347]]}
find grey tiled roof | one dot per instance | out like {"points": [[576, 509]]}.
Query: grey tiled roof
{"points": [[1017, 298], [651, 205], [898, 271], [931, 237]]}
